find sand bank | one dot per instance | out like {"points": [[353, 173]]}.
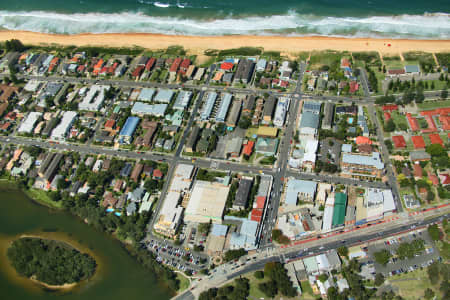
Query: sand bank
{"points": [[197, 44]]}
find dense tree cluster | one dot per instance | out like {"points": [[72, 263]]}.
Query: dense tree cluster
{"points": [[234, 254], [238, 291], [278, 281], [49, 261]]}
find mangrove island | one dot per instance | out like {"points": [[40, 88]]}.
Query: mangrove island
{"points": [[50, 262]]}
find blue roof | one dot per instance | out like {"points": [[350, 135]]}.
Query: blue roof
{"points": [[130, 126], [296, 186], [219, 230]]}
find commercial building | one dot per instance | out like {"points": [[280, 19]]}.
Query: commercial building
{"points": [[93, 100], [246, 237], [327, 120], [269, 106], [362, 165], [340, 206], [280, 111], [309, 124], [243, 191], [141, 109], [266, 146], [300, 190], [207, 202], [28, 124], [223, 107], [183, 100], [312, 106], [327, 220], [62, 129], [126, 134], [208, 106]]}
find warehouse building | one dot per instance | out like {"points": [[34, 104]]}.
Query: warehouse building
{"points": [[207, 202], [146, 95], [164, 96], [300, 190]]}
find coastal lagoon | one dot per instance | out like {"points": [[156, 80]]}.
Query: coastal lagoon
{"points": [[118, 276]]}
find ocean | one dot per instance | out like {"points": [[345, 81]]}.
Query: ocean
{"points": [[412, 19]]}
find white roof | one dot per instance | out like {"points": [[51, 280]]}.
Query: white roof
{"points": [[28, 124], [93, 99], [60, 131], [141, 108], [327, 218], [322, 262]]}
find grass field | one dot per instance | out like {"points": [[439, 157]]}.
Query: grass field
{"points": [[42, 198], [434, 104], [413, 284], [399, 119], [184, 282]]}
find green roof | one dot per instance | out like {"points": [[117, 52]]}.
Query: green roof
{"points": [[340, 204]]}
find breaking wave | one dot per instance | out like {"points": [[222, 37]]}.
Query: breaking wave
{"points": [[426, 26]]}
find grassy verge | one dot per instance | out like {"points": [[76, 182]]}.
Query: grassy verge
{"points": [[42, 198], [184, 282], [413, 284], [433, 104]]}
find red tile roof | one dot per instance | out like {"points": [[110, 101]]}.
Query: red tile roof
{"points": [[445, 179], [248, 148], [363, 140], [157, 173], [110, 124], [390, 107], [417, 170], [387, 116], [412, 122], [138, 71], [354, 86], [433, 178], [431, 125], [260, 202], [150, 64], [396, 71], [256, 215], [418, 142], [399, 141], [445, 122], [175, 65], [226, 66], [436, 139]]}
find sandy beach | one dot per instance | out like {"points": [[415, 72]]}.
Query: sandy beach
{"points": [[197, 44]]}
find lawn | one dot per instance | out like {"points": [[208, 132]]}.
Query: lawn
{"points": [[399, 119], [413, 284], [41, 197], [329, 58], [433, 104], [250, 132], [255, 292], [307, 292], [184, 282]]}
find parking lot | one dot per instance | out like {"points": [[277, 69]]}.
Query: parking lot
{"points": [[176, 257], [398, 266]]}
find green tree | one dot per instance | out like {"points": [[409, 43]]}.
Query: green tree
{"points": [[323, 277], [343, 251], [389, 126], [444, 94], [429, 294], [382, 257], [268, 288], [379, 279], [259, 274]]}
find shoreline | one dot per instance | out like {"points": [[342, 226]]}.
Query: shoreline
{"points": [[61, 237], [198, 44]]}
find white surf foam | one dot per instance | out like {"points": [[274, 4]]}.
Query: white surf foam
{"points": [[402, 26]]}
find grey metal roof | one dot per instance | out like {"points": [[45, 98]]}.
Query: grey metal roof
{"points": [[373, 160], [309, 119], [223, 107], [242, 193], [312, 106]]}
